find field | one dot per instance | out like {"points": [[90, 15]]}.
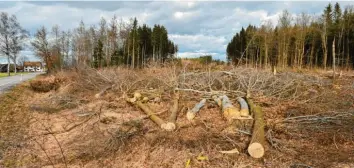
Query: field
{"points": [[80, 118]]}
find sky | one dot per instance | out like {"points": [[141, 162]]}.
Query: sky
{"points": [[197, 27]]}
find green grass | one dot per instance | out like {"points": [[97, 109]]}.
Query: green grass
{"points": [[4, 74]]}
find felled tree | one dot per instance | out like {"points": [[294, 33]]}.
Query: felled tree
{"points": [[256, 146]]}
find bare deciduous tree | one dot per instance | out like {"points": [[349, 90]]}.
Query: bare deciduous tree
{"points": [[42, 48], [12, 36]]}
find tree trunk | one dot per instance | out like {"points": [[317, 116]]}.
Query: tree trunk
{"points": [[133, 56], [312, 53], [324, 46], [153, 53], [347, 59], [334, 57], [256, 146], [8, 65], [193, 112], [171, 124], [148, 112], [15, 66], [266, 53], [244, 112]]}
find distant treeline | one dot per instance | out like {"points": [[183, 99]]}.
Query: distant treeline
{"points": [[206, 59], [301, 41], [111, 44]]}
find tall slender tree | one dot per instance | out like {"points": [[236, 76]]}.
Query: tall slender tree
{"points": [[12, 36]]}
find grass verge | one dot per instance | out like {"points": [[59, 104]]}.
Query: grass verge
{"points": [[14, 121], [4, 74]]}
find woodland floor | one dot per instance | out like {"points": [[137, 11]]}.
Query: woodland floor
{"points": [[309, 119]]}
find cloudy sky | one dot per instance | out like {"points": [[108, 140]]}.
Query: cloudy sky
{"points": [[197, 27]]}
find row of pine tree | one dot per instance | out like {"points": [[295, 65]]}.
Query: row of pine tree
{"points": [[301, 41]]}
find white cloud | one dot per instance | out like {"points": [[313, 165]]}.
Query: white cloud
{"points": [[199, 42], [178, 15], [197, 27]]}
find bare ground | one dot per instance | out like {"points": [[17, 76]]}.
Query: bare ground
{"points": [[309, 120]]}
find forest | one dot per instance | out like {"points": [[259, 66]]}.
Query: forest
{"points": [[302, 41], [110, 43]]}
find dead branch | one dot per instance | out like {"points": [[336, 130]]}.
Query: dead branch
{"points": [[45, 152], [70, 128], [329, 117], [59, 145]]}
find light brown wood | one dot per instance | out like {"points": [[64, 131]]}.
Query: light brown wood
{"points": [[229, 111], [174, 109], [244, 112], [193, 112], [148, 112], [256, 150], [171, 124], [256, 146]]}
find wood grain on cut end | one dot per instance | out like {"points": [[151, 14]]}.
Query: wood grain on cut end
{"points": [[169, 126], [256, 150]]}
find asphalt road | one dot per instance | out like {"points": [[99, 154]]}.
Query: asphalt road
{"points": [[8, 82]]}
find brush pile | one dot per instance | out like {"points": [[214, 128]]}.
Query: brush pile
{"points": [[176, 117]]}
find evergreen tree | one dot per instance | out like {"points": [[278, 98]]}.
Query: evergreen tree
{"points": [[98, 55]]}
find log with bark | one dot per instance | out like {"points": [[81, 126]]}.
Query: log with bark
{"points": [[244, 112], [256, 146], [149, 112], [193, 112], [229, 111], [217, 100], [171, 124]]}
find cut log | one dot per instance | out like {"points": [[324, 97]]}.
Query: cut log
{"points": [[145, 99], [171, 124], [103, 91], [193, 112], [137, 95], [229, 111], [244, 107], [256, 146], [148, 112], [218, 100]]}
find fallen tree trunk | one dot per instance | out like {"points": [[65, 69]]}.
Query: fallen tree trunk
{"points": [[244, 112], [193, 112], [171, 124], [218, 100], [229, 111], [256, 146], [148, 112]]}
